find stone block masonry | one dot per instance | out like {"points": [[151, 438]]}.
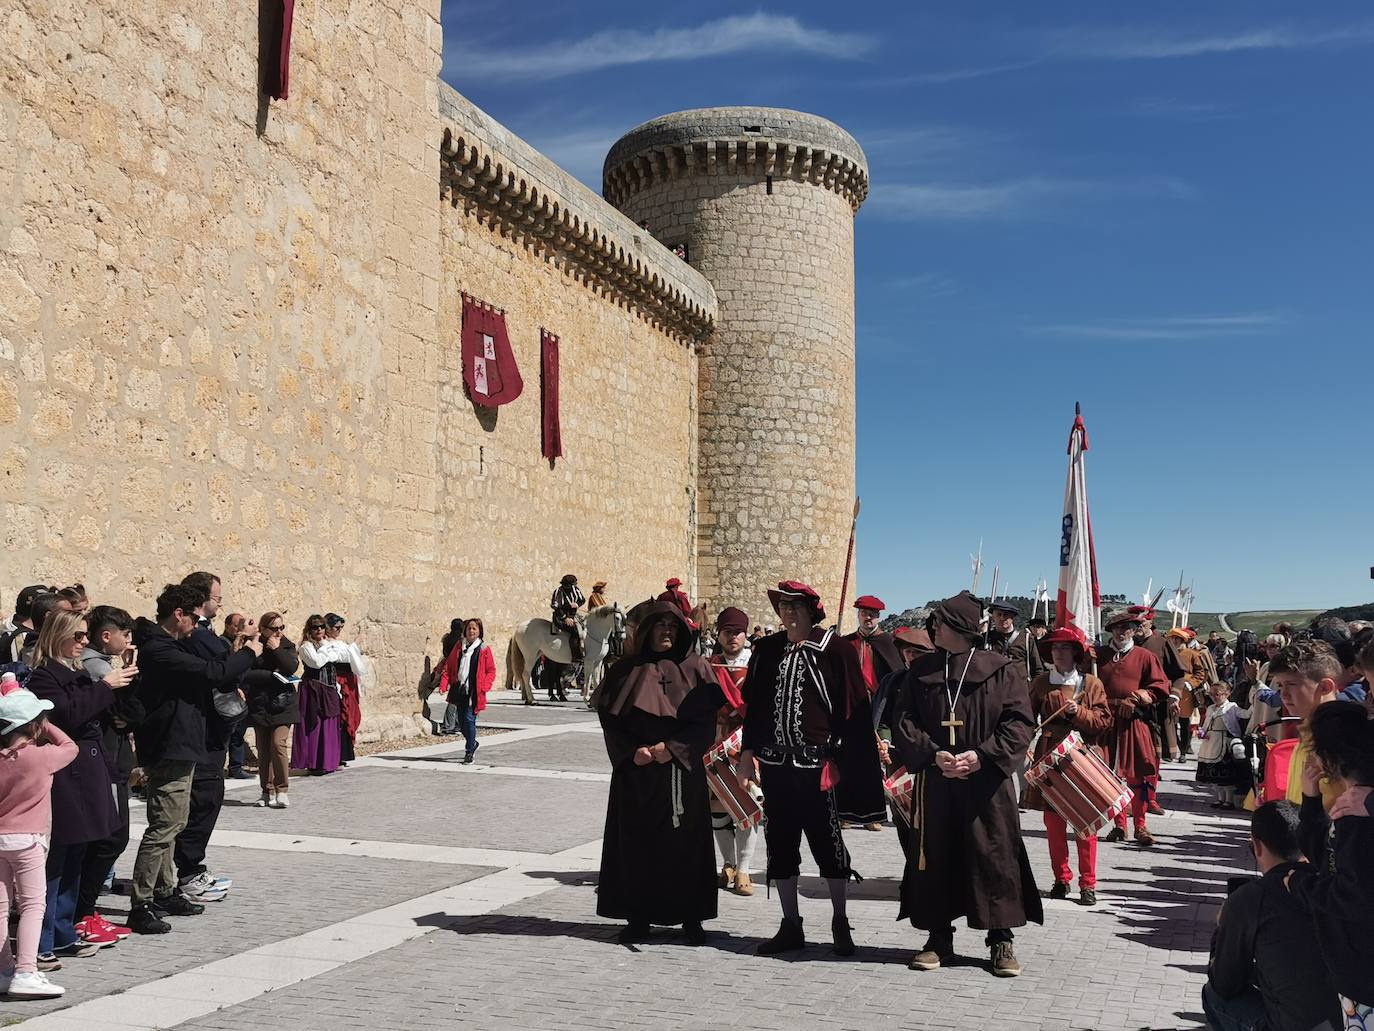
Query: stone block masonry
{"points": [[229, 336], [764, 202]]}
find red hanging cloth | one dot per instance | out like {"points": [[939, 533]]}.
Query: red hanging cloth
{"points": [[279, 48], [548, 359], [489, 370]]}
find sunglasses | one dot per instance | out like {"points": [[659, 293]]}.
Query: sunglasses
{"points": [[276, 628], [81, 635]]}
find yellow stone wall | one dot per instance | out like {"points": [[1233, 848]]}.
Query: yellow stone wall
{"points": [[229, 340]]}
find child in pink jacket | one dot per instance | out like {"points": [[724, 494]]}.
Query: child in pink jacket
{"points": [[31, 751]]}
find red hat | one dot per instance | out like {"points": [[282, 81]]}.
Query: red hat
{"points": [[674, 582], [913, 637], [797, 589], [1062, 635], [869, 602], [731, 618], [1146, 613], [1126, 616]]}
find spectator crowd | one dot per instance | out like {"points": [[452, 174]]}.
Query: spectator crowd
{"points": [[97, 704]]}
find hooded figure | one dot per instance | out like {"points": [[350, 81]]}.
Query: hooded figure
{"points": [[658, 712], [961, 725]]}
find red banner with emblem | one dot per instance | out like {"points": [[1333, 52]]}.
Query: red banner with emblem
{"points": [[552, 436], [489, 370]]}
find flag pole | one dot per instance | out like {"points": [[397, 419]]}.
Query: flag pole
{"points": [[848, 561]]}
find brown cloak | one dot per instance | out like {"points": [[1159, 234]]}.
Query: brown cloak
{"points": [[967, 857]]}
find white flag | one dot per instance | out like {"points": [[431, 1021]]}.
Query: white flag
{"points": [[1079, 602]]}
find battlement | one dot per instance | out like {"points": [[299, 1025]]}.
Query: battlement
{"points": [[763, 141], [510, 183]]}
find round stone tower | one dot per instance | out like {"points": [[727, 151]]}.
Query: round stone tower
{"points": [[762, 200]]}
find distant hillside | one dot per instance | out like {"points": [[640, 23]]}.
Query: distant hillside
{"points": [[1228, 623]]}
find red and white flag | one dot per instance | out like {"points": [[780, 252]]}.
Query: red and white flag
{"points": [[1079, 602]]}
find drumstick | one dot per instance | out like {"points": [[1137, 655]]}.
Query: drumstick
{"points": [[1050, 719]]}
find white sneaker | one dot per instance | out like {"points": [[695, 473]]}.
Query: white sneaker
{"points": [[265, 800], [281, 801], [202, 888], [34, 986]]}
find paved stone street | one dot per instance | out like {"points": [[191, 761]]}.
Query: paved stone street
{"points": [[409, 891]]}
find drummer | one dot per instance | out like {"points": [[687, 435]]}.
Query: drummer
{"points": [[1065, 699], [730, 665]]}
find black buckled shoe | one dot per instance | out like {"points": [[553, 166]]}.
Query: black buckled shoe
{"points": [[790, 938], [840, 934], [1059, 891]]}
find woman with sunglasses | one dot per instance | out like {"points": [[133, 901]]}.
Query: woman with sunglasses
{"points": [[273, 708], [315, 743], [83, 800]]}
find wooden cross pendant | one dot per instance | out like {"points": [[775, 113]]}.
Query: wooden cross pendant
{"points": [[951, 723]]}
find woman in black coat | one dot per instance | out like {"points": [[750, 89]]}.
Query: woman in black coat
{"points": [[83, 804], [273, 708]]}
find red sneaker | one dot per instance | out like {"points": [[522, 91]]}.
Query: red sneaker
{"points": [[91, 933], [119, 932]]}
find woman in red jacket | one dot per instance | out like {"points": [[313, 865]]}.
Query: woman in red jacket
{"points": [[469, 673]]}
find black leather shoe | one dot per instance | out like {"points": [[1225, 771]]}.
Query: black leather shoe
{"points": [[1087, 897], [789, 938], [696, 934], [839, 934], [177, 905], [1060, 890], [147, 920]]}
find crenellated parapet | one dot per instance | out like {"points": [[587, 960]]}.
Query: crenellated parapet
{"points": [[759, 142], [508, 183]]}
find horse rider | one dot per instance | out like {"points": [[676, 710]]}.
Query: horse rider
{"points": [[567, 599], [598, 597], [673, 594]]}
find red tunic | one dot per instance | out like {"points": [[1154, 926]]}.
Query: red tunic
{"points": [[1130, 743]]}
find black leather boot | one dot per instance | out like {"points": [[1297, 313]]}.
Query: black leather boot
{"points": [[789, 938]]}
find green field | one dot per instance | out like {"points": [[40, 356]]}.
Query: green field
{"points": [[1262, 621]]}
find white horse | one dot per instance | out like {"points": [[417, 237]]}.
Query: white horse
{"points": [[535, 637]]}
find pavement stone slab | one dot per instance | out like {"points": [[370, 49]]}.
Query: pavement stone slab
{"points": [[275, 895]]}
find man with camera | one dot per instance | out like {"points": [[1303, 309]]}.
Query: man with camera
{"points": [[1266, 971]]}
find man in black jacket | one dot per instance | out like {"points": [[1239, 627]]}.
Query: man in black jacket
{"points": [[1266, 971], [194, 880], [175, 688]]}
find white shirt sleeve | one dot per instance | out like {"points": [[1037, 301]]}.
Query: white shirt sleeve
{"points": [[312, 656]]}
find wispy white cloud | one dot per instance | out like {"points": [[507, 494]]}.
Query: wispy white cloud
{"points": [[1172, 107], [1017, 198], [923, 285], [612, 48], [937, 78], [1178, 327], [1136, 43]]}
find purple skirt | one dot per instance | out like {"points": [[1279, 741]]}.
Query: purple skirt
{"points": [[316, 749]]}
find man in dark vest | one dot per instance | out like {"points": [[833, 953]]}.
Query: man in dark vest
{"points": [[1017, 645], [567, 599]]}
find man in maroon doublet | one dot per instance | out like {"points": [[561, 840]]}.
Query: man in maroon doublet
{"points": [[1135, 683]]}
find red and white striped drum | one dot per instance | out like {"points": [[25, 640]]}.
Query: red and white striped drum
{"points": [[720, 762], [897, 785], [1079, 785]]}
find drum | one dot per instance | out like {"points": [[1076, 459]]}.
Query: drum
{"points": [[720, 762], [1078, 785], [898, 786]]}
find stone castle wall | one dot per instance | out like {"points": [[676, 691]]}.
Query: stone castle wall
{"points": [[229, 336], [764, 201]]}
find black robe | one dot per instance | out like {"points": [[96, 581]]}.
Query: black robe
{"points": [[652, 870], [966, 856]]}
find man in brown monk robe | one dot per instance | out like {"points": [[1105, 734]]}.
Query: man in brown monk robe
{"points": [[961, 724]]}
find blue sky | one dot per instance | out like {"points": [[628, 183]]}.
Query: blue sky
{"points": [[1164, 213]]}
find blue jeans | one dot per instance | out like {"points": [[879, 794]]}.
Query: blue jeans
{"points": [[64, 888], [462, 718], [1245, 1012]]}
